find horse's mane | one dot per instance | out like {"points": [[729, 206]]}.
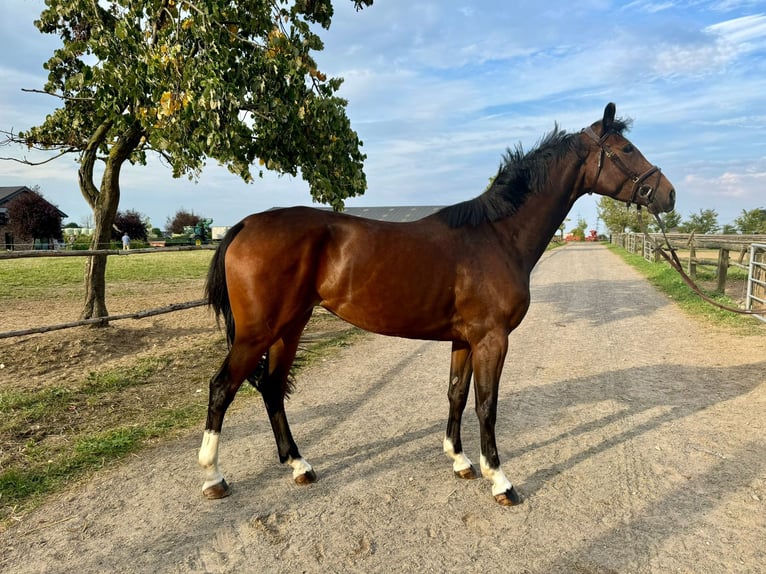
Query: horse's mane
{"points": [[520, 175]]}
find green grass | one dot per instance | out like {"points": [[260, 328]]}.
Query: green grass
{"points": [[44, 276], [56, 435], [61, 434], [669, 282], [48, 469]]}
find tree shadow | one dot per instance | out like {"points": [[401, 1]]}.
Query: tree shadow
{"points": [[583, 300], [673, 391]]}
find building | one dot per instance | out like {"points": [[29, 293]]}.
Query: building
{"points": [[8, 194]]}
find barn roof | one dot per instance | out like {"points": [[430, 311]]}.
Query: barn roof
{"points": [[393, 213]]}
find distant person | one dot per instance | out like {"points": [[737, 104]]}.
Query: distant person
{"points": [[126, 241]]}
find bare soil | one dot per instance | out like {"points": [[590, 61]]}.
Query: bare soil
{"points": [[634, 432]]}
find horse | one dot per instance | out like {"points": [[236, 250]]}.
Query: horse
{"points": [[461, 274]]}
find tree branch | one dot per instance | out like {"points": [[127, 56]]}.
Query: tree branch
{"points": [[88, 161], [59, 96]]}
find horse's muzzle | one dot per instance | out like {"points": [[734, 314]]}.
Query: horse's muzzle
{"points": [[658, 202]]}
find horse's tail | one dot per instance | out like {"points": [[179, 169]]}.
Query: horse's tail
{"points": [[216, 291]]}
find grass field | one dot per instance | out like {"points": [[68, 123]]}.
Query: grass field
{"points": [[43, 277]]}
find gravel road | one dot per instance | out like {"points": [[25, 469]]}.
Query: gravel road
{"points": [[635, 434]]}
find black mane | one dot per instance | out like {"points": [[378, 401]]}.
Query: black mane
{"points": [[520, 175]]}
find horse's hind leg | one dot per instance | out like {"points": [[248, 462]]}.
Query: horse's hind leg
{"points": [[461, 370], [274, 387], [242, 360]]}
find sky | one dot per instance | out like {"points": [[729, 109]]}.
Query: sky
{"points": [[439, 89]]}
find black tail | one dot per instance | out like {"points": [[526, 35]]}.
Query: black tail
{"points": [[217, 294], [216, 291]]}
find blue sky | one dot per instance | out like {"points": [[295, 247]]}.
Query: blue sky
{"points": [[439, 89]]}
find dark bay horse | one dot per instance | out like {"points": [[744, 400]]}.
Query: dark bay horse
{"points": [[460, 275]]}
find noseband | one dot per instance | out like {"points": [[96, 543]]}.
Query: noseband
{"points": [[640, 188]]}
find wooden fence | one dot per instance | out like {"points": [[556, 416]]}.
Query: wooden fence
{"points": [[730, 251], [102, 320], [88, 253]]}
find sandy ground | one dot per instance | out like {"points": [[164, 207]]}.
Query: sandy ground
{"points": [[635, 434]]}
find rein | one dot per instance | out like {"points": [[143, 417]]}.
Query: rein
{"points": [[676, 264]]}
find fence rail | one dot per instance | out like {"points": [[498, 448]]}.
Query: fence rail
{"points": [[88, 253], [744, 245], [102, 320]]}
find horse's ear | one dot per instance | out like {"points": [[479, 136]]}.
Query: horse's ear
{"points": [[608, 120]]}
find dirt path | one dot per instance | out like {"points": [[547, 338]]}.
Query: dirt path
{"points": [[635, 434]]}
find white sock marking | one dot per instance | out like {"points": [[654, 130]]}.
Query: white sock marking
{"points": [[461, 461], [208, 459], [299, 466], [500, 482]]}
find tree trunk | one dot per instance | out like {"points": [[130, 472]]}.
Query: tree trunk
{"points": [[104, 202], [95, 267], [95, 289]]}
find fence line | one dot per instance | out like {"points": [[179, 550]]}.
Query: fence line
{"points": [[88, 253], [110, 318], [638, 243]]}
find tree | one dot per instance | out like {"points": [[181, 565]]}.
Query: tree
{"points": [[670, 220], [232, 81], [751, 222], [31, 217], [182, 219], [706, 221], [578, 231], [617, 217], [131, 222]]}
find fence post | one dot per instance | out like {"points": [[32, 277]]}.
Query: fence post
{"points": [[692, 267], [723, 269]]}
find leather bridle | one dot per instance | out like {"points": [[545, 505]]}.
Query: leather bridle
{"points": [[640, 188]]}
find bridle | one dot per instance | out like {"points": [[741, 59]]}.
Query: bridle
{"points": [[640, 188]]}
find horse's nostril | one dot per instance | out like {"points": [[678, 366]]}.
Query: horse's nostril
{"points": [[672, 197]]}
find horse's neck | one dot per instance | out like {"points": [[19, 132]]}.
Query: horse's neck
{"points": [[531, 229]]}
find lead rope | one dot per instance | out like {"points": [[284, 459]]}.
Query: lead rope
{"points": [[675, 263]]}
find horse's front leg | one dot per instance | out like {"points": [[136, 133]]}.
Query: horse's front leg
{"points": [[459, 383], [488, 358]]}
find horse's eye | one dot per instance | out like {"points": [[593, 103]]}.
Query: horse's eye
{"points": [[628, 148]]}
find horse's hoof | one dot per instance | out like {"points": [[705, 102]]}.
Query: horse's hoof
{"points": [[469, 473], [510, 497], [220, 490], [306, 477]]}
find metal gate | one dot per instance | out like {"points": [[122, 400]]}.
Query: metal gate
{"points": [[756, 280]]}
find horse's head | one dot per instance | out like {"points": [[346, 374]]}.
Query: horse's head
{"points": [[616, 168]]}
